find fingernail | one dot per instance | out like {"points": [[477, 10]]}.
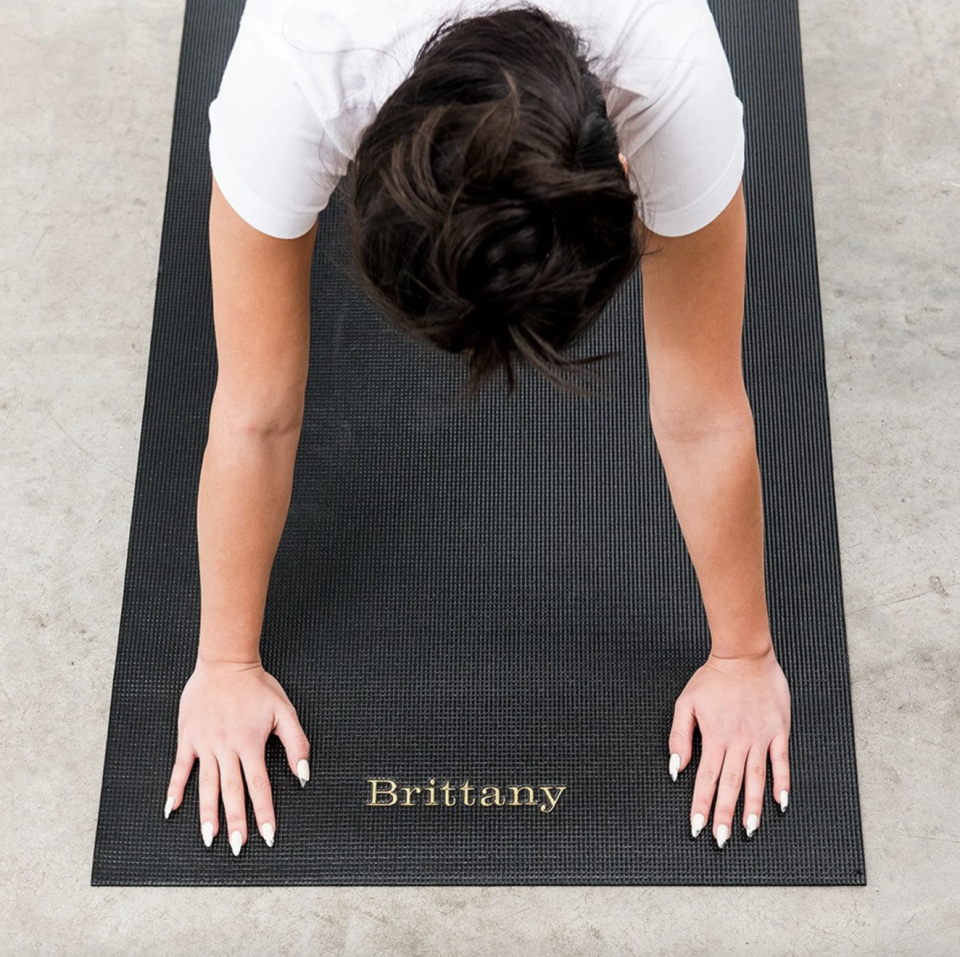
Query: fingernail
{"points": [[698, 821], [674, 765], [783, 801], [236, 842], [303, 771], [168, 807], [266, 833], [753, 822], [722, 835], [207, 831]]}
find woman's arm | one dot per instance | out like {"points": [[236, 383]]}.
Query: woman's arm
{"points": [[693, 297], [261, 289], [230, 705]]}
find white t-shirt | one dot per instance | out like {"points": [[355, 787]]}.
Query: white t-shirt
{"points": [[305, 77]]}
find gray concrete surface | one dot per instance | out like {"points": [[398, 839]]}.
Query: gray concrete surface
{"points": [[85, 114]]}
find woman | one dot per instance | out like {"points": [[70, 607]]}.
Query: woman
{"points": [[493, 214]]}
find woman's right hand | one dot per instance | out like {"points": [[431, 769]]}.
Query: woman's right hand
{"points": [[227, 712]]}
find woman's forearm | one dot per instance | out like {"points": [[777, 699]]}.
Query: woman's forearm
{"points": [[714, 480], [242, 503]]}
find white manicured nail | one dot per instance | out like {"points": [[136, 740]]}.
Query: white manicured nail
{"points": [[206, 830], [753, 822], [674, 765], [303, 771], [698, 821], [783, 800], [168, 807], [236, 842], [722, 835], [266, 833]]}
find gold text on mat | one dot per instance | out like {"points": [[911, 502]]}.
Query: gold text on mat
{"points": [[386, 792]]}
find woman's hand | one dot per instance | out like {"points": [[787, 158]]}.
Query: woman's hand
{"points": [[227, 712], [742, 706]]}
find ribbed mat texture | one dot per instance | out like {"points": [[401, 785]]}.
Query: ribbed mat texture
{"points": [[492, 591]]}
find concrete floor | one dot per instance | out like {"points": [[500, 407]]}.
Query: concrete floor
{"points": [[85, 118]]}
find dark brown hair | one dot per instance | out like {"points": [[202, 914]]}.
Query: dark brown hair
{"points": [[488, 210]]}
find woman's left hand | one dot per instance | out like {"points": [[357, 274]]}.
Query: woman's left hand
{"points": [[742, 706]]}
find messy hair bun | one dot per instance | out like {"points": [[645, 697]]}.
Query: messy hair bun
{"points": [[489, 212]]}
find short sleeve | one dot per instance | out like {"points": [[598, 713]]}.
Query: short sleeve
{"points": [[684, 138], [268, 150]]}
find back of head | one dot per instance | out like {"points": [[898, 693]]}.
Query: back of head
{"points": [[489, 213]]}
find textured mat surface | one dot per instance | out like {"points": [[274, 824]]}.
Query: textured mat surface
{"points": [[495, 592]]}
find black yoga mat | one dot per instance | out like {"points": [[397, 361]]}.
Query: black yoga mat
{"points": [[496, 591]]}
